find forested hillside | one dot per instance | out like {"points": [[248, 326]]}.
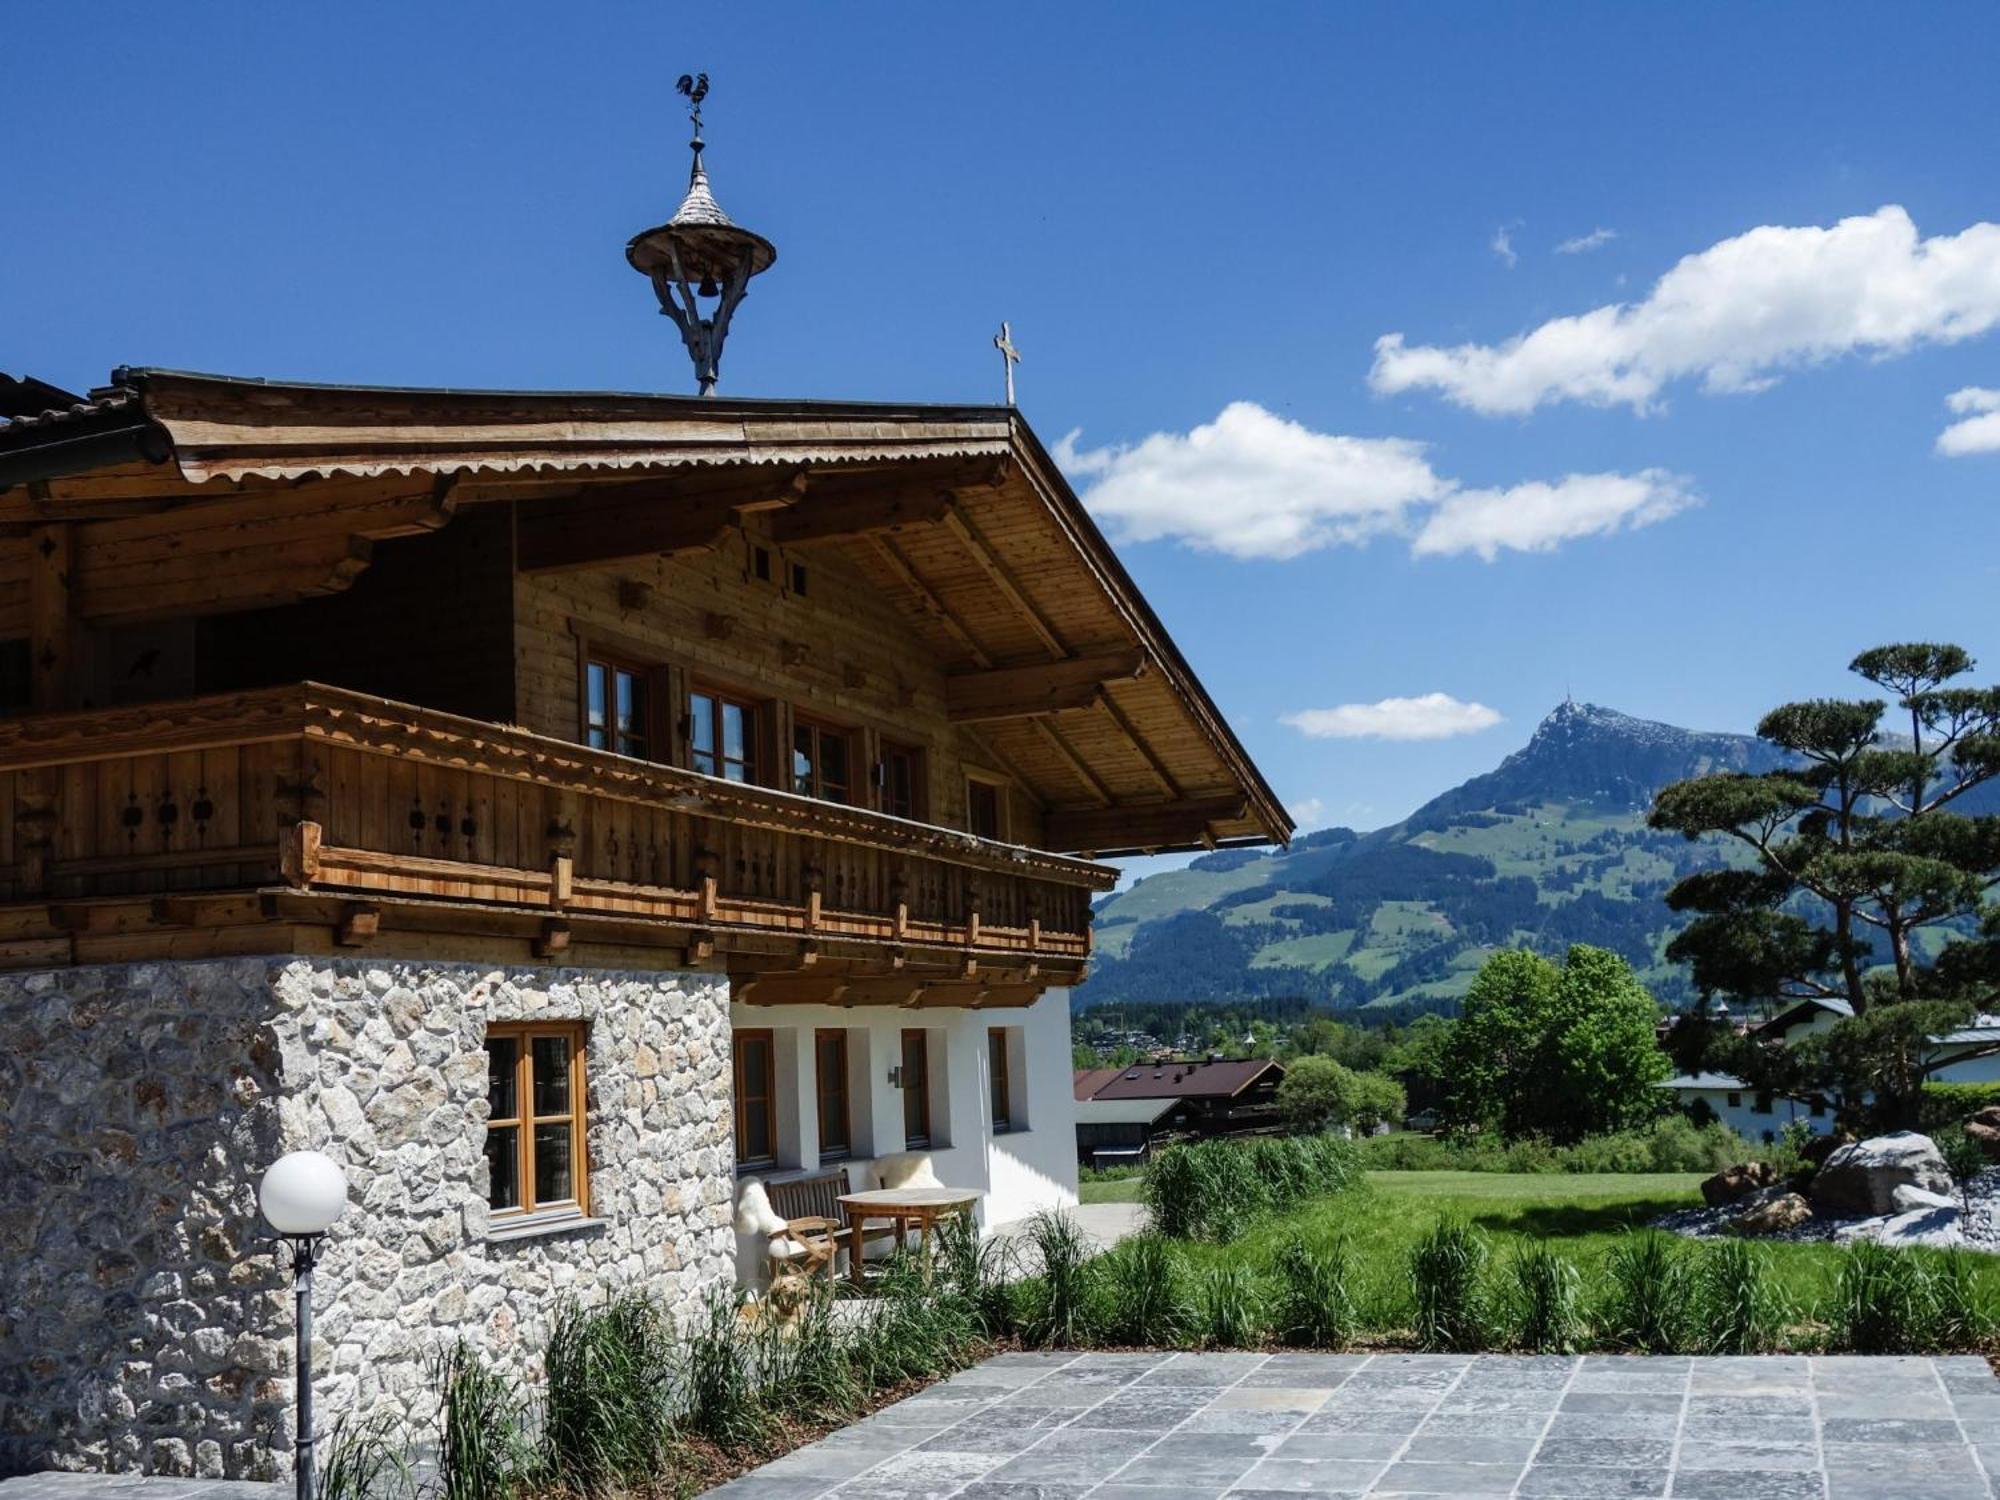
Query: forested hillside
{"points": [[1549, 848]]}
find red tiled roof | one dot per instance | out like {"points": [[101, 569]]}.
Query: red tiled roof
{"points": [[1183, 1080], [1090, 1080]]}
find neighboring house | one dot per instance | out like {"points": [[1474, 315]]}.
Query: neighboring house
{"points": [[1207, 1097], [1814, 1017], [1970, 1046], [1751, 1114], [549, 805], [1120, 1132]]}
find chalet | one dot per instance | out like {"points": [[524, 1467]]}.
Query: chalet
{"points": [[550, 805], [1123, 1113]]}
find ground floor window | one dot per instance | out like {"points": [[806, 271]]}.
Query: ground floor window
{"points": [[756, 1099], [536, 1111], [916, 1089], [836, 1136], [996, 1051]]}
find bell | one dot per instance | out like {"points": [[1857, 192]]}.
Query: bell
{"points": [[708, 288]]}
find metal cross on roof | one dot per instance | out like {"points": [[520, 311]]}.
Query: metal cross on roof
{"points": [[1009, 356]]}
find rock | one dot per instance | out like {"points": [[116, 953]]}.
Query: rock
{"points": [[1984, 1127], [1774, 1215], [1861, 1179], [1739, 1181], [1815, 1151], [1906, 1199], [1932, 1228]]}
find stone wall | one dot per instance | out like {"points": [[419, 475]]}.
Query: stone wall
{"points": [[144, 1324]]}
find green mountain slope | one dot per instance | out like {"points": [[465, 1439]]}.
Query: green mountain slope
{"points": [[1547, 849]]}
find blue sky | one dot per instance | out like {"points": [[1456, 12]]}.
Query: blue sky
{"points": [[1183, 211]]}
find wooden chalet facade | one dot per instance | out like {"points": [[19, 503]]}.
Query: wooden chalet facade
{"points": [[553, 806]]}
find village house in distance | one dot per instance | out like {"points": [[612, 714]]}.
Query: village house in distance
{"points": [[552, 806]]}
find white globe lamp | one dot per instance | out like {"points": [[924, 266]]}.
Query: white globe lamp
{"points": [[301, 1195]]}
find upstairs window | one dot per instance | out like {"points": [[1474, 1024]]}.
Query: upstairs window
{"points": [[535, 1095], [722, 736], [822, 762], [616, 708], [982, 809], [902, 777]]}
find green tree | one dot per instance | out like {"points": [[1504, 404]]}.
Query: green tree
{"points": [[1318, 1093], [1857, 855], [1557, 1051]]}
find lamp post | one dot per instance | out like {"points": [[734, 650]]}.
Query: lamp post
{"points": [[301, 1195]]}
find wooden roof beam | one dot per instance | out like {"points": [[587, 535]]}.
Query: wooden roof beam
{"points": [[651, 519], [1084, 774], [1023, 692], [927, 600], [1140, 827], [1153, 763], [974, 544]]}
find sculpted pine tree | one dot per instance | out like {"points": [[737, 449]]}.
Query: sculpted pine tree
{"points": [[1859, 856]]}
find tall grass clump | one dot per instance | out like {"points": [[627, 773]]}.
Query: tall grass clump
{"points": [[1739, 1308], [362, 1461], [720, 1395], [1210, 1190], [1649, 1301], [1231, 1307], [1961, 1302], [608, 1395], [979, 1275], [1448, 1280], [1145, 1294], [1059, 1298], [1548, 1315], [1903, 1302], [1316, 1306], [816, 1378], [921, 1327], [483, 1452]]}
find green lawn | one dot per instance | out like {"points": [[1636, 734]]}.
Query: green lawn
{"points": [[1581, 1214]]}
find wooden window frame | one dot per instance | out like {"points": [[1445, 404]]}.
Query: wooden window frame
{"points": [[997, 785], [919, 779], [1000, 1079], [822, 729], [838, 1036], [741, 1102], [924, 1141], [652, 675], [525, 1119], [754, 728]]}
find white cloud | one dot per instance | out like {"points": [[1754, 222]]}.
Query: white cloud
{"points": [[1538, 517], [1307, 813], [1583, 244], [1735, 315], [1434, 716], [1979, 432], [1251, 484], [1503, 246]]}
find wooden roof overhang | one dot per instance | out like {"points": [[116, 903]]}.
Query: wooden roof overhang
{"points": [[204, 494]]}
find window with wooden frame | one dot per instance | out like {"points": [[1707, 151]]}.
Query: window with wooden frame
{"points": [[618, 713], [916, 1089], [756, 1099], [822, 761], [983, 808], [901, 779], [997, 1071], [836, 1134], [537, 1108], [722, 735]]}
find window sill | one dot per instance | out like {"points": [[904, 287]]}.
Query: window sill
{"points": [[540, 1226]]}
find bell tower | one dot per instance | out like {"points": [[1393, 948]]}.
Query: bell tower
{"points": [[699, 262]]}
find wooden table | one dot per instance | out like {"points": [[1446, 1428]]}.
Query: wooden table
{"points": [[920, 1206]]}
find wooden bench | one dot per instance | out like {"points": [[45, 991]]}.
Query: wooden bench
{"points": [[810, 1207]]}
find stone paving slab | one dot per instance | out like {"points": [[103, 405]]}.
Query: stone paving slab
{"points": [[1405, 1427], [61, 1486]]}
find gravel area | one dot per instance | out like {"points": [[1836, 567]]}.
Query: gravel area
{"points": [[1978, 1222]]}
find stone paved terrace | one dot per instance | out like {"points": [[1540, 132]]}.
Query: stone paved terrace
{"points": [[1278, 1427]]}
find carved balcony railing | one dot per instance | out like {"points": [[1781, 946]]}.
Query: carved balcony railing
{"points": [[373, 815]]}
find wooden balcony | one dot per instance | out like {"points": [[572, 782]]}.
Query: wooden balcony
{"points": [[311, 819]]}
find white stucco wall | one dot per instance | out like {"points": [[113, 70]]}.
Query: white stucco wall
{"points": [[1744, 1119], [1029, 1167]]}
